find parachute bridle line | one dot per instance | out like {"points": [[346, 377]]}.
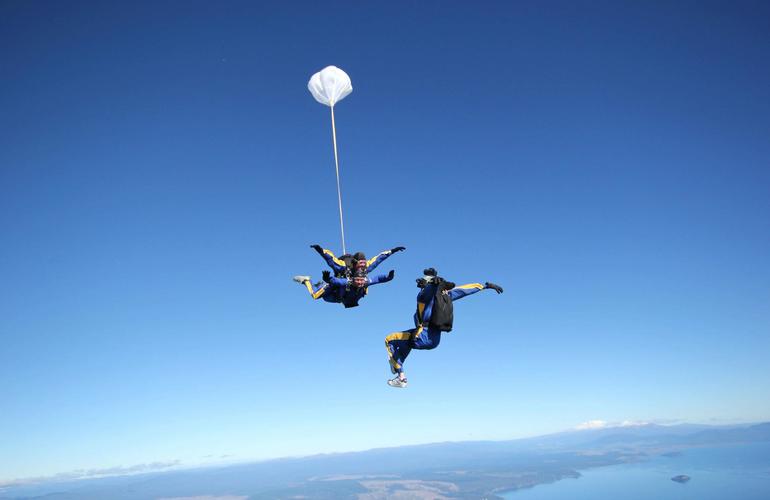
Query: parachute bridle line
{"points": [[337, 169]]}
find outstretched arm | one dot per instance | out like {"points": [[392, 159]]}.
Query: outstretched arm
{"points": [[461, 291], [338, 282], [377, 259], [335, 263], [381, 278]]}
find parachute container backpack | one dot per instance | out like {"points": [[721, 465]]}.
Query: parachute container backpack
{"points": [[329, 86], [442, 312]]}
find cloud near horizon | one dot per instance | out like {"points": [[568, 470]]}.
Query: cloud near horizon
{"points": [[603, 424], [94, 473]]}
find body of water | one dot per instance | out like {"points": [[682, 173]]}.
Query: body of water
{"points": [[734, 472]]}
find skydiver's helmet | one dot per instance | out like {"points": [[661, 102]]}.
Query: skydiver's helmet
{"points": [[359, 277], [429, 276]]}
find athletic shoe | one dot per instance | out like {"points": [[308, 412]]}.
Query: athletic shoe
{"points": [[397, 382], [301, 279]]}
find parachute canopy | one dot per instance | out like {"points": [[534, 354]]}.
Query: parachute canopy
{"points": [[330, 85]]}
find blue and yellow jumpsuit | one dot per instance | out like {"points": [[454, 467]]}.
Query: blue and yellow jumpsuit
{"points": [[338, 265], [400, 344], [340, 290]]}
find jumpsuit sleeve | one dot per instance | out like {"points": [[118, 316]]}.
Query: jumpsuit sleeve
{"points": [[338, 282], [461, 291], [336, 264], [380, 278], [377, 260]]}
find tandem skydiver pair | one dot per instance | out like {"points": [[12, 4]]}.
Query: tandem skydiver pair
{"points": [[435, 310], [351, 280]]}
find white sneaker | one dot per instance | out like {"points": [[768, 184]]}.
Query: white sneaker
{"points": [[397, 382], [301, 279]]}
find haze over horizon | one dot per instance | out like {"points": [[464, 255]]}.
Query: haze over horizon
{"points": [[464, 470], [224, 461], [163, 171]]}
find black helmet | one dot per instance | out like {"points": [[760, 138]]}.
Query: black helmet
{"points": [[429, 276]]}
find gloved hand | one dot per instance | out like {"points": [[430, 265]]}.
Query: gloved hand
{"points": [[494, 287], [317, 248], [391, 274], [326, 276], [397, 249]]}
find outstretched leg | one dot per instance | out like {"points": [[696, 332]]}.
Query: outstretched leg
{"points": [[316, 291]]}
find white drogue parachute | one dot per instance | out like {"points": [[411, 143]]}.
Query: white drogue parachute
{"points": [[329, 86]]}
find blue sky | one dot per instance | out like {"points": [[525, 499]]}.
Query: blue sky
{"points": [[163, 170]]}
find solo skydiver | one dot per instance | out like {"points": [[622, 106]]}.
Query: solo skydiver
{"points": [[434, 315], [350, 282]]}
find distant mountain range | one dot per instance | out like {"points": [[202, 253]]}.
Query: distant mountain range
{"points": [[475, 469]]}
